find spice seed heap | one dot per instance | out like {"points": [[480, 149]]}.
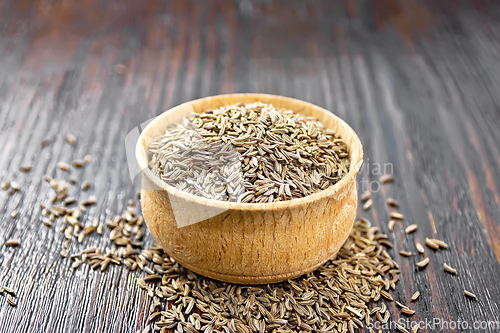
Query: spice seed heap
{"points": [[251, 153]]}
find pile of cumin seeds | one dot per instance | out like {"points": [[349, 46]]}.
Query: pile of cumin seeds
{"points": [[334, 298], [251, 153]]}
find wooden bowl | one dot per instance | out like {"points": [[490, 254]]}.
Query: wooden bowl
{"points": [[250, 243]]}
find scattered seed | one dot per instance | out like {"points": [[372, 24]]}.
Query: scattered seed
{"points": [[15, 186], [87, 158], [396, 215], [12, 243], [45, 143], [120, 69], [392, 202], [368, 204], [70, 138], [85, 186], [9, 290], [390, 225], [430, 243], [63, 166], [407, 311], [420, 248], [11, 301], [405, 253], [401, 328], [386, 295], [414, 329], [14, 213], [366, 195], [423, 263], [5, 185], [414, 297], [386, 178], [449, 269], [25, 168], [469, 294], [411, 228], [439, 242], [78, 163]]}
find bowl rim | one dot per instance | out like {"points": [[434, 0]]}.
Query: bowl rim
{"points": [[356, 162]]}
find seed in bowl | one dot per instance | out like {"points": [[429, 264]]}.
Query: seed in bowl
{"points": [[250, 153]]}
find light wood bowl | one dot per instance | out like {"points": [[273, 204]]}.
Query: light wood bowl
{"points": [[247, 242]]}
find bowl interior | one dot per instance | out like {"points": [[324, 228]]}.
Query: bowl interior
{"points": [[177, 114]]}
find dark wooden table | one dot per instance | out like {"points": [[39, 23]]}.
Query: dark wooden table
{"points": [[418, 80]]}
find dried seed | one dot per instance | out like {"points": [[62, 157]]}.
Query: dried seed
{"points": [[414, 329], [396, 215], [469, 294], [439, 242], [401, 328], [415, 295], [368, 204], [411, 228], [63, 166], [15, 186], [9, 290], [392, 202], [5, 185], [449, 269], [366, 195], [12, 243], [390, 225], [70, 138], [85, 186], [87, 158], [386, 178], [420, 248], [78, 163], [386, 295], [405, 253], [430, 243], [120, 69], [14, 213], [11, 301], [408, 311], [25, 168], [45, 143], [423, 263]]}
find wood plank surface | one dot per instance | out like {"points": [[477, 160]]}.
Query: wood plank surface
{"points": [[419, 82]]}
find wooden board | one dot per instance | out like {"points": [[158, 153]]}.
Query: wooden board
{"points": [[418, 82]]}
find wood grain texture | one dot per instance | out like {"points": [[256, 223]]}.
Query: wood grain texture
{"points": [[249, 243], [417, 80]]}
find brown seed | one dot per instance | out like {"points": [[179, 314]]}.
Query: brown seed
{"points": [[85, 186], [78, 163], [9, 290], [25, 168], [120, 69], [12, 243], [415, 295], [70, 138], [368, 204], [405, 253], [420, 248], [423, 263], [63, 166], [45, 142], [396, 215], [87, 158], [366, 195], [5, 185], [11, 301], [449, 269], [401, 328], [392, 202], [411, 228], [15, 186], [386, 178], [469, 294], [386, 295], [407, 311], [390, 225], [439, 242], [430, 243]]}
